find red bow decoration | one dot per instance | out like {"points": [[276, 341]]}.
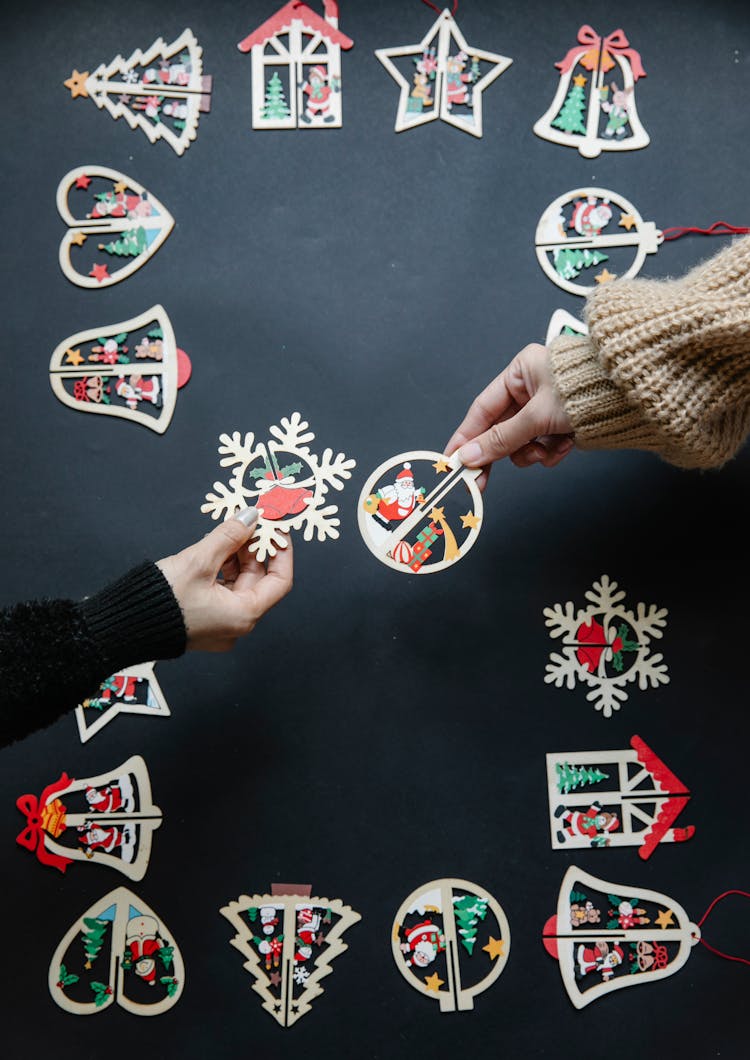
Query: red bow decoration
{"points": [[616, 42], [33, 835]]}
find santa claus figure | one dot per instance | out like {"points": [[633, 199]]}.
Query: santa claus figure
{"points": [[318, 90], [423, 943], [142, 943], [107, 839], [119, 686], [599, 958], [593, 823], [308, 925], [118, 204], [457, 81], [590, 216], [137, 388], [396, 501], [113, 797]]}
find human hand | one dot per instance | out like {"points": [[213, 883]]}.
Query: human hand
{"points": [[519, 415], [218, 612]]}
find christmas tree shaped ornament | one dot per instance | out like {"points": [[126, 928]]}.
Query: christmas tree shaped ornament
{"points": [[131, 691], [608, 936], [296, 68], [115, 218], [290, 941], [284, 480], [450, 941], [594, 107], [627, 797], [162, 91], [589, 227], [131, 370], [108, 819], [606, 645], [442, 77], [118, 952], [564, 323], [420, 512]]}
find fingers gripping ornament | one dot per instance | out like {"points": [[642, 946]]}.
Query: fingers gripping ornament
{"points": [[453, 934], [420, 512], [285, 480], [594, 108]]}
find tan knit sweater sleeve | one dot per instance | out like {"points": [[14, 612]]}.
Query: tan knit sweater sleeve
{"points": [[666, 364]]}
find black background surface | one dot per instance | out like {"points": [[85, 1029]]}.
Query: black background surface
{"points": [[376, 731]]}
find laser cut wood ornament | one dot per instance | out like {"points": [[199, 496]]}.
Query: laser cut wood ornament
{"points": [[134, 690]]}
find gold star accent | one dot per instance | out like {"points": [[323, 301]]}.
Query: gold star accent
{"points": [[74, 357], [605, 276], [665, 918], [433, 982], [120, 187], [494, 947], [440, 465], [79, 238], [580, 81], [77, 84], [87, 964], [470, 520], [626, 221], [437, 513]]}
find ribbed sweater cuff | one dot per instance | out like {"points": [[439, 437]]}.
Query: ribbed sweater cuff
{"points": [[135, 619], [601, 416]]}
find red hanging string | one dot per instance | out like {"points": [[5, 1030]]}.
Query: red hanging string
{"points": [[440, 9], [726, 956], [718, 228]]}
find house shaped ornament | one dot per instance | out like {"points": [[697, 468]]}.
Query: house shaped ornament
{"points": [[296, 68], [594, 107]]}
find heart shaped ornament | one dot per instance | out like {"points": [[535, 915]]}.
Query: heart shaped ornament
{"points": [[131, 370], [114, 225], [119, 951]]}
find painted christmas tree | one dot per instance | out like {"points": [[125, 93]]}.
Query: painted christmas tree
{"points": [[571, 777], [570, 261], [93, 937], [468, 910], [275, 105], [570, 118], [130, 244]]}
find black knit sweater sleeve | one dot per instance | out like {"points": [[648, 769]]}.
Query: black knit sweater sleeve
{"points": [[54, 653]]}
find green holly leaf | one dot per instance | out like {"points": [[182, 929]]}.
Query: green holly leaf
{"points": [[577, 896], [155, 333], [617, 663], [611, 924], [291, 469], [171, 984], [613, 899], [100, 989]]}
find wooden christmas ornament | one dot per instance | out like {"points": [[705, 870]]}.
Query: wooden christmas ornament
{"points": [[589, 227], [450, 941], [284, 480], [594, 108], [162, 91], [131, 691], [289, 941], [564, 323], [605, 645], [442, 77], [627, 797], [113, 224], [131, 370], [296, 68], [108, 820], [118, 952], [420, 512]]}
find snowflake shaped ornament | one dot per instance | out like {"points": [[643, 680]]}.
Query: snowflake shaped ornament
{"points": [[605, 646], [284, 480]]}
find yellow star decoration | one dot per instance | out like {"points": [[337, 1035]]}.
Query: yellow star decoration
{"points": [[470, 520], [79, 238], [74, 357], [665, 918], [120, 187], [626, 221], [433, 982], [605, 276], [440, 465], [494, 947], [437, 513], [77, 84], [580, 81]]}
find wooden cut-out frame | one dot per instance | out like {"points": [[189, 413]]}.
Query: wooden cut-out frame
{"points": [[560, 320], [160, 708]]}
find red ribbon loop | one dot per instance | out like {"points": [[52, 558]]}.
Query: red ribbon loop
{"points": [[32, 837], [726, 956], [616, 42]]}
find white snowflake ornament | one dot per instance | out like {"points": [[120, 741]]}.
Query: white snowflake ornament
{"points": [[605, 646], [284, 480]]}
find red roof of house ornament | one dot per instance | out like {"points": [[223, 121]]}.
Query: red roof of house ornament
{"points": [[673, 806], [296, 10]]}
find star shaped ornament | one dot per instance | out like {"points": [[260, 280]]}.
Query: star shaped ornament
{"points": [[442, 77]]}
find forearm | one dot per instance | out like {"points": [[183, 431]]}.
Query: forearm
{"points": [[54, 653]]}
